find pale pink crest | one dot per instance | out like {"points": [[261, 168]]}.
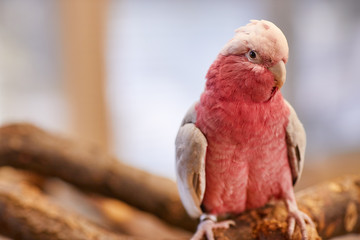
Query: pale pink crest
{"points": [[259, 35]]}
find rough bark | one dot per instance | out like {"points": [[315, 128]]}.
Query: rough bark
{"points": [[25, 213], [90, 168], [110, 213], [334, 206]]}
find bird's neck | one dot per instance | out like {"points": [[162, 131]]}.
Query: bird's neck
{"points": [[234, 78]]}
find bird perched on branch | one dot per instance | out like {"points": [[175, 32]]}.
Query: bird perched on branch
{"points": [[242, 144]]}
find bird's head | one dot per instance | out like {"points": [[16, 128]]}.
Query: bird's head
{"points": [[254, 61]]}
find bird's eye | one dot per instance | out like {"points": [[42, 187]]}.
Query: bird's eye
{"points": [[252, 54]]}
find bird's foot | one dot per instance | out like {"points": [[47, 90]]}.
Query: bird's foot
{"points": [[301, 218], [206, 228]]}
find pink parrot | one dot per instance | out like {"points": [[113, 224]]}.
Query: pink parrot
{"points": [[242, 144]]}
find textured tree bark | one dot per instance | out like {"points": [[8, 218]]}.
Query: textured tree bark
{"points": [[106, 213], [110, 213], [25, 213], [137, 223], [90, 168], [334, 206]]}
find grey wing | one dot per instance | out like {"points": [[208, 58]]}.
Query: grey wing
{"points": [[191, 147], [296, 143]]}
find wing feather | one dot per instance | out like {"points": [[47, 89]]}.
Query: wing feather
{"points": [[191, 147], [296, 143]]}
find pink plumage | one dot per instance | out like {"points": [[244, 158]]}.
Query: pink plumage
{"points": [[246, 159], [242, 143]]}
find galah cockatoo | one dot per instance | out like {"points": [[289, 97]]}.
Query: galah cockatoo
{"points": [[242, 144]]}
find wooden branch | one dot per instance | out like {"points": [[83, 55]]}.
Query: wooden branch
{"points": [[334, 206], [4, 238], [107, 213], [90, 168], [111, 214], [137, 223], [25, 213]]}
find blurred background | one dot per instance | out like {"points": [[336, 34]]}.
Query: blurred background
{"points": [[122, 73]]}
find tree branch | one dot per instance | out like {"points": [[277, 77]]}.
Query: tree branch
{"points": [[334, 206], [90, 168], [109, 214], [25, 213]]}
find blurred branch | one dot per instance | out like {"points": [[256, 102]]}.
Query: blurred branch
{"points": [[129, 220], [111, 214], [90, 168], [334, 206], [25, 213]]}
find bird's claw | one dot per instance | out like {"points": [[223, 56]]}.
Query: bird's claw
{"points": [[206, 228], [301, 219]]}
